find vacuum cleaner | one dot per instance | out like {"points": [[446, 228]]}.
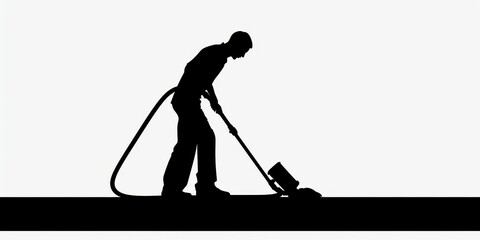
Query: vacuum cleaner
{"points": [[287, 185]]}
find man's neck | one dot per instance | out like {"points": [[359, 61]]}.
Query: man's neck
{"points": [[226, 50]]}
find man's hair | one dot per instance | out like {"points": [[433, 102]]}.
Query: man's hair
{"points": [[241, 39]]}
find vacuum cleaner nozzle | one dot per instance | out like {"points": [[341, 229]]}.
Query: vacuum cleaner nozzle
{"points": [[289, 184], [283, 178]]}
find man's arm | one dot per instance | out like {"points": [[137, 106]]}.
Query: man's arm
{"points": [[211, 94], [212, 97]]}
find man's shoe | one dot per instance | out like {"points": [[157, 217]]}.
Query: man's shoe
{"points": [[210, 190]]}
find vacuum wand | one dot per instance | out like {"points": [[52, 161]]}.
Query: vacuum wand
{"points": [[234, 132]]}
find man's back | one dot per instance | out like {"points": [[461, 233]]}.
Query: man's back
{"points": [[200, 73]]}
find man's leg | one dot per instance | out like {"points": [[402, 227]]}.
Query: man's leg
{"points": [[207, 175], [180, 164]]}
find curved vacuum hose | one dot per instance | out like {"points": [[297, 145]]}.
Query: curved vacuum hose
{"points": [[132, 143], [300, 193]]}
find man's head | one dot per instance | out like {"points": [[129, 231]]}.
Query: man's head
{"points": [[239, 44]]}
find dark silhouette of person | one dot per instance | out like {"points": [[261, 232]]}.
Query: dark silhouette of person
{"points": [[193, 130]]}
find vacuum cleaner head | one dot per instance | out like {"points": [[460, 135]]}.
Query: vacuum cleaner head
{"points": [[289, 184], [283, 178]]}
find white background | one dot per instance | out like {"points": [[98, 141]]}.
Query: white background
{"points": [[355, 98]]}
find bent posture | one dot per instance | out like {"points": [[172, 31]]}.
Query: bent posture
{"points": [[193, 130]]}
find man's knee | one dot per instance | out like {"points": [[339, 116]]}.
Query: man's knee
{"points": [[185, 145], [209, 134]]}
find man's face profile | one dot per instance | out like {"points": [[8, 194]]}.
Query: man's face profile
{"points": [[239, 52]]}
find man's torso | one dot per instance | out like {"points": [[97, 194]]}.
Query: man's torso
{"points": [[199, 74]]}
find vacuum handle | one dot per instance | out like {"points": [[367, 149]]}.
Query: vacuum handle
{"points": [[231, 128], [234, 132]]}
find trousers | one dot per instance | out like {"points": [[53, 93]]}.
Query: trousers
{"points": [[194, 134]]}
